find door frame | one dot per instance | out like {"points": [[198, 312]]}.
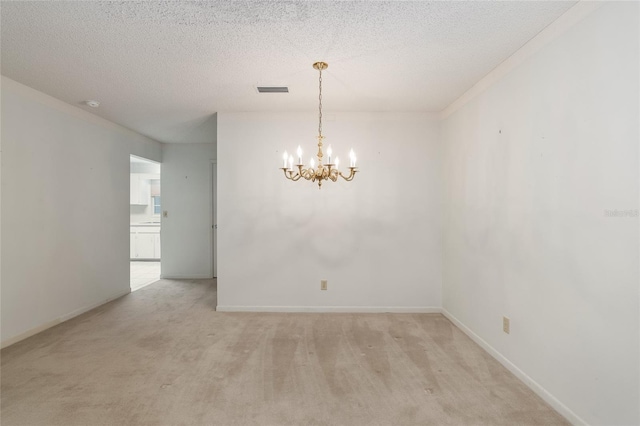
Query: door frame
{"points": [[148, 160], [213, 259]]}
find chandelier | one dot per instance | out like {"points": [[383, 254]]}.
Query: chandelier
{"points": [[324, 171]]}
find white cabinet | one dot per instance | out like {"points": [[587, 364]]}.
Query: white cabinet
{"points": [[144, 246], [139, 190], [156, 246], [145, 242], [132, 245]]}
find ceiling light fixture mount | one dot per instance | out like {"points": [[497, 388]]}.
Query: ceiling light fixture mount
{"points": [[326, 171]]}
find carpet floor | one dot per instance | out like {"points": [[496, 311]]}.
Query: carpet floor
{"points": [[163, 356]]}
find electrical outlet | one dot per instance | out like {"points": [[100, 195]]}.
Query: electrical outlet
{"points": [[506, 325], [323, 284]]}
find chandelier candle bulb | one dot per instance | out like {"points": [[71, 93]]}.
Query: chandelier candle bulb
{"points": [[326, 169], [285, 157]]}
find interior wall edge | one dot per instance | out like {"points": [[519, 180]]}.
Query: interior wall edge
{"points": [[547, 396], [75, 111], [558, 27]]}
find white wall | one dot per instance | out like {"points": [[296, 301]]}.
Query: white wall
{"points": [[65, 209], [531, 166], [376, 239], [187, 197]]}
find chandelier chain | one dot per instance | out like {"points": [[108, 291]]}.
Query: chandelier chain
{"points": [[320, 105]]}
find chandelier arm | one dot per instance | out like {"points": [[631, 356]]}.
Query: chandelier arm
{"points": [[353, 171], [289, 174], [307, 174], [333, 174]]}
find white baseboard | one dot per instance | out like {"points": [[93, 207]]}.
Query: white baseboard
{"points": [[532, 384], [349, 309], [35, 330], [185, 277]]}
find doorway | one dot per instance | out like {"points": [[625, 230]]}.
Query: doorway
{"points": [[145, 210]]}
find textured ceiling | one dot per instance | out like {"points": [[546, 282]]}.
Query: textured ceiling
{"points": [[163, 68]]}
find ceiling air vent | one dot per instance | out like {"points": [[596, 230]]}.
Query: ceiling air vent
{"points": [[271, 89]]}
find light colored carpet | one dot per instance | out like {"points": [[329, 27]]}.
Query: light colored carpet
{"points": [[162, 356]]}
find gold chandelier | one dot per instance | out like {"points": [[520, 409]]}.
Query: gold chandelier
{"points": [[323, 171]]}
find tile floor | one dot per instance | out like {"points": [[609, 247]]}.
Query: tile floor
{"points": [[144, 273]]}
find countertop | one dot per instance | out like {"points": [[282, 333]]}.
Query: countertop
{"points": [[146, 224]]}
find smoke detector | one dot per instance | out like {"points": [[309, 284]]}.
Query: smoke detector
{"points": [[93, 104]]}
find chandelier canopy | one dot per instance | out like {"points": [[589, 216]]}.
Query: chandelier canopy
{"points": [[324, 171]]}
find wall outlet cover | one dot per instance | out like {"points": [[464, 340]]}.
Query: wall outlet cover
{"points": [[506, 325]]}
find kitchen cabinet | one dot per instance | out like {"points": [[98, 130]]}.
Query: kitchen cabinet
{"points": [[145, 242], [139, 190], [132, 245], [144, 246], [156, 245]]}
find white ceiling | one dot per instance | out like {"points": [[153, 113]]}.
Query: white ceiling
{"points": [[163, 68]]}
